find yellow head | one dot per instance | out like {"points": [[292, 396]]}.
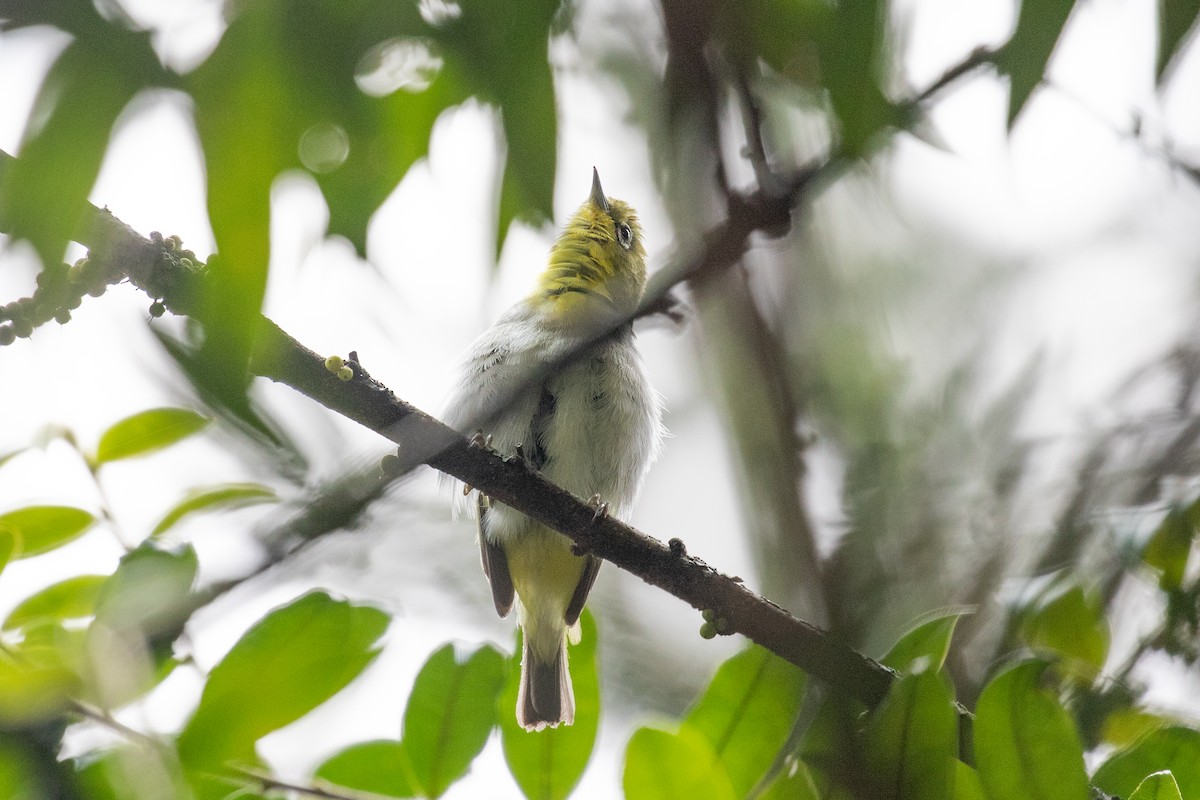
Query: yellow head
{"points": [[597, 268]]}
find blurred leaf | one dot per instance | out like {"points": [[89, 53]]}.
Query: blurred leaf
{"points": [[32, 691], [668, 766], [1175, 19], [1157, 786], [547, 764], [966, 783], [1168, 548], [911, 739], [1025, 55], [256, 427], [1067, 622], [9, 456], [928, 640], [44, 192], [37, 529], [782, 32], [147, 432], [1026, 747], [504, 56], [301, 654], [1125, 726], [831, 747], [140, 612], [249, 121], [1176, 749], [796, 783], [224, 497], [8, 544], [852, 62], [450, 713], [129, 771], [149, 591], [380, 767], [19, 778], [74, 598], [747, 713]]}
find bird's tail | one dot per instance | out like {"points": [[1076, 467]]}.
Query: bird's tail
{"points": [[546, 698]]}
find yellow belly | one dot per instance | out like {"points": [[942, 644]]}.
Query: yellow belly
{"points": [[545, 573]]}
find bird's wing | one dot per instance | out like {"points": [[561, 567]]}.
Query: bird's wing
{"points": [[591, 566], [495, 563]]}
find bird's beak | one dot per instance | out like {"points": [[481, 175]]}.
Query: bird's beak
{"points": [[597, 191]]}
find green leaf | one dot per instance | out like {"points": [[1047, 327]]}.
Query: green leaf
{"points": [[20, 776], [74, 598], [747, 713], [44, 192], [33, 691], [130, 771], [147, 432], [795, 783], [224, 497], [379, 767], [1176, 749], [1125, 726], [1175, 19], [966, 783], [547, 764], [1025, 56], [852, 58], [450, 713], [1067, 622], [911, 740], [287, 664], [668, 766], [1168, 549], [1158, 786], [831, 747], [1026, 747], [37, 529], [149, 592], [504, 57], [8, 544], [929, 640]]}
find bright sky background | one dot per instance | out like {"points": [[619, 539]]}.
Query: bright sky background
{"points": [[1100, 232]]}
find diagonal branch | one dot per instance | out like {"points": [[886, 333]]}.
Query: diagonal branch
{"points": [[423, 439]]}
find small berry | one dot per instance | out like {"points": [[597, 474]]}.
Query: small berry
{"points": [[722, 625], [6, 335], [707, 631], [173, 242], [22, 327], [390, 465], [63, 316], [98, 289], [187, 263], [708, 614], [74, 301], [156, 237], [334, 363], [345, 374], [157, 309]]}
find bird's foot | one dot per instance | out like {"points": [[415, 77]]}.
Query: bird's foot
{"points": [[599, 506]]}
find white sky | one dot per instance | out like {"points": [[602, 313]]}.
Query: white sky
{"points": [[1102, 232]]}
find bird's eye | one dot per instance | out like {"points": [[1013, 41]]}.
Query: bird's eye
{"points": [[624, 236]]}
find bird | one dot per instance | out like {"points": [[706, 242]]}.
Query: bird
{"points": [[592, 426]]}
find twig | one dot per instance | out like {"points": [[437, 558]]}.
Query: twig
{"points": [[268, 782]]}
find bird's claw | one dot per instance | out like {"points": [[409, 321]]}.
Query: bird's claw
{"points": [[480, 439], [599, 506]]}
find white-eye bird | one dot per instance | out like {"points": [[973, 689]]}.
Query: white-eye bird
{"points": [[592, 427]]}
